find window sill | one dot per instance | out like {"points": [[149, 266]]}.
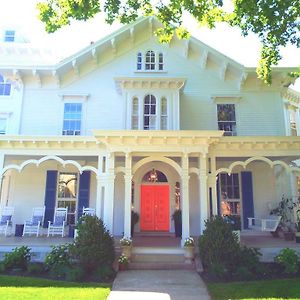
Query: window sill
{"points": [[151, 71]]}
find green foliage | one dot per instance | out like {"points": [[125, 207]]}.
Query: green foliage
{"points": [[275, 22], [35, 268], [103, 273], [58, 261], [17, 259], [221, 254], [288, 259], [93, 246], [74, 273]]}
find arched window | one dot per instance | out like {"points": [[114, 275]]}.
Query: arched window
{"points": [[164, 114], [160, 62], [5, 87], [149, 112], [139, 61], [135, 113], [150, 60]]}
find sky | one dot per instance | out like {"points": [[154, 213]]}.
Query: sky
{"points": [[71, 39]]}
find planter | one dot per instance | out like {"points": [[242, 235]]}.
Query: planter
{"points": [[123, 267], [289, 236], [189, 254], [126, 250], [297, 235]]}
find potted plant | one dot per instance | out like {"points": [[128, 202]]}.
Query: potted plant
{"points": [[134, 220], [177, 218], [285, 210], [123, 262], [189, 245], [126, 245]]}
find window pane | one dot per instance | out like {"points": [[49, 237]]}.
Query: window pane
{"points": [[3, 126], [2, 85], [164, 106], [163, 123], [7, 89]]}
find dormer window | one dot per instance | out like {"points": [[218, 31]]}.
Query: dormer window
{"points": [[5, 87], [9, 36], [150, 61]]}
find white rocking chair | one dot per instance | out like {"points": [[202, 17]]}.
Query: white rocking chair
{"points": [[88, 211], [59, 222], [6, 219], [37, 219], [269, 224]]}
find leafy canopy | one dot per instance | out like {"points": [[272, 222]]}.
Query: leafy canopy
{"points": [[275, 22]]}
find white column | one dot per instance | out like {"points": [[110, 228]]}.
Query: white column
{"points": [[297, 120], [185, 198], [203, 191], [98, 197], [109, 184], [2, 158], [127, 208], [213, 185]]}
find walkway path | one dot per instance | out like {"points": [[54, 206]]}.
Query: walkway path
{"points": [[158, 285]]}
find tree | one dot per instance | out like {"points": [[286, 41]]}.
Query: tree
{"points": [[275, 22]]}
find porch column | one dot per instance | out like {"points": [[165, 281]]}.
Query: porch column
{"points": [[297, 120], [109, 183], [2, 158], [99, 189], [213, 185], [185, 198], [127, 208], [203, 191]]}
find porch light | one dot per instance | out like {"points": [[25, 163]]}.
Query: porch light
{"points": [[152, 176]]}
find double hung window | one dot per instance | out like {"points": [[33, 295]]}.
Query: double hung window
{"points": [[226, 119], [72, 119]]}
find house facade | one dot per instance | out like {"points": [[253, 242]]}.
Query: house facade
{"points": [[131, 124]]}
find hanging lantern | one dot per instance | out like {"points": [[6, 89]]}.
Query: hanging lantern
{"points": [[152, 176]]}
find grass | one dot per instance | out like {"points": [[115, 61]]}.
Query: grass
{"points": [[271, 289], [28, 288]]}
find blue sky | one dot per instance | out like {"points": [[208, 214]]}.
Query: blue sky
{"points": [[224, 39]]}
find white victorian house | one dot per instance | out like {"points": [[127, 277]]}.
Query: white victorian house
{"points": [[130, 124]]}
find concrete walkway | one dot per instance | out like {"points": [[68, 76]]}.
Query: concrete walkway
{"points": [[158, 285]]}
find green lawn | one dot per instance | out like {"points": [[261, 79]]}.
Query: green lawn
{"points": [[271, 289], [27, 288]]}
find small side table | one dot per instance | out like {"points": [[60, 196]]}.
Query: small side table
{"points": [[19, 229]]}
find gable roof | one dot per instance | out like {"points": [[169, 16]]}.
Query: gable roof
{"points": [[112, 43]]}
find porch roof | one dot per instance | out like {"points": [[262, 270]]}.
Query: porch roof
{"points": [[136, 141]]}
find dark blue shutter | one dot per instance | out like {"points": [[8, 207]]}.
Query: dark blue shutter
{"points": [[218, 196], [84, 191], [50, 196], [210, 203], [247, 196]]}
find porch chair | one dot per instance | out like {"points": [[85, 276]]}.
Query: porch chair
{"points": [[88, 211], [6, 218], [59, 222], [269, 224], [37, 219]]}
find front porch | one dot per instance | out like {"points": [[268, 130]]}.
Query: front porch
{"points": [[160, 246]]}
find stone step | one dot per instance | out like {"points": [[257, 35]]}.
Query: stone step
{"points": [[161, 258], [161, 266]]}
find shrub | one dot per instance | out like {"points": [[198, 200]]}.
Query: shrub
{"points": [[218, 247], [288, 259], [35, 268], [58, 261], [93, 246], [17, 259], [74, 273]]}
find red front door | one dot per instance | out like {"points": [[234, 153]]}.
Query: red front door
{"points": [[155, 211]]}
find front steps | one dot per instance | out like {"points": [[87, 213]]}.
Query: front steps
{"points": [[159, 258]]}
